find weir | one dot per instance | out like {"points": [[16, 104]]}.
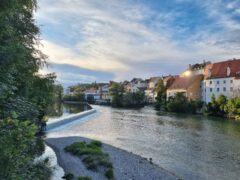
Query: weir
{"points": [[68, 119]]}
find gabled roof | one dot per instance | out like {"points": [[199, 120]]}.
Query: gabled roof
{"points": [[219, 70], [184, 82]]}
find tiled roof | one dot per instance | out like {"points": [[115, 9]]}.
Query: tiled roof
{"points": [[184, 82], [219, 70]]}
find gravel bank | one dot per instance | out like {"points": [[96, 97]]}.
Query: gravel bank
{"points": [[127, 166]]}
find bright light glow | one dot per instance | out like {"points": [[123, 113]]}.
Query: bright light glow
{"points": [[187, 73]]}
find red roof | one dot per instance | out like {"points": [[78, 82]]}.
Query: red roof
{"points": [[219, 70], [184, 82]]}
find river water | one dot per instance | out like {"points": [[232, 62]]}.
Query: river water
{"points": [[192, 147]]}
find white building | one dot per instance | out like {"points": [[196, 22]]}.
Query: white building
{"points": [[104, 92], [136, 85], [150, 92], [222, 78]]}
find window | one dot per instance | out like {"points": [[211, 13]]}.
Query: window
{"points": [[217, 89], [210, 82], [231, 89], [217, 82], [231, 81], [224, 81], [224, 89], [210, 89]]}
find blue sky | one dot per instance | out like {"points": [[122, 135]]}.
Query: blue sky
{"points": [[94, 40]]}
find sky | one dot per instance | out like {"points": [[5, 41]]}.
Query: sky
{"points": [[95, 40]]}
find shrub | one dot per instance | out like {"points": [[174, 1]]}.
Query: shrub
{"points": [[109, 173], [97, 143], [91, 154], [68, 176]]}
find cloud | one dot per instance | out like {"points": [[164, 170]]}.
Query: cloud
{"points": [[70, 74], [129, 39]]}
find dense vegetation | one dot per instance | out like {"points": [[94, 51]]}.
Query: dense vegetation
{"points": [[24, 95], [92, 156], [181, 104], [221, 106], [121, 98], [161, 95]]}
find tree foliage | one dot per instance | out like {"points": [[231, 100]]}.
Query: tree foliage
{"points": [[116, 90], [121, 98], [18, 150], [24, 95], [161, 95], [180, 104]]}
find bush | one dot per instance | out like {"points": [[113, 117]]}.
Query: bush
{"points": [[181, 104], [97, 143], [18, 151], [109, 173], [91, 154], [68, 176]]}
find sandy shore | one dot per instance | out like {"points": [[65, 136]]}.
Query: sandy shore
{"points": [[127, 166]]}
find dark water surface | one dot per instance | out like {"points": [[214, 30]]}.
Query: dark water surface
{"points": [[60, 110], [192, 147]]}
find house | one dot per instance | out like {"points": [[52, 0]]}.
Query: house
{"points": [[195, 69], [189, 85], [92, 94], [136, 85], [104, 92], [169, 80], [150, 92], [221, 78]]}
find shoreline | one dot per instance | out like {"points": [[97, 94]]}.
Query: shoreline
{"points": [[126, 164]]}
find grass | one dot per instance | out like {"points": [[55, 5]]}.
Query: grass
{"points": [[92, 156]]}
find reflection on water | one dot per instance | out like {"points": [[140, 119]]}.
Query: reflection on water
{"points": [[58, 110], [193, 147]]}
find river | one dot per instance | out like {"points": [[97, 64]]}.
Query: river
{"points": [[192, 147]]}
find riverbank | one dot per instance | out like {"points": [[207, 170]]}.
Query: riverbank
{"points": [[126, 165]]}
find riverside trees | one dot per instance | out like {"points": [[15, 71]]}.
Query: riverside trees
{"points": [[24, 95], [121, 98]]}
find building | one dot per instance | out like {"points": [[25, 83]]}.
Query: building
{"points": [[150, 92], [221, 78], [104, 92], [136, 85], [195, 69], [169, 80], [190, 86], [92, 94]]}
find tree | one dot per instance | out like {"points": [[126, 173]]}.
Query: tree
{"points": [[136, 99], [116, 90], [180, 104], [24, 95], [18, 150], [232, 107], [161, 94]]}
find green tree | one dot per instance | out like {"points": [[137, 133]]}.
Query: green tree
{"points": [[232, 107], [24, 95], [136, 99], [116, 90], [180, 104], [18, 150], [161, 94]]}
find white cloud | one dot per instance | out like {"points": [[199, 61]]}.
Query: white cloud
{"points": [[113, 36]]}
